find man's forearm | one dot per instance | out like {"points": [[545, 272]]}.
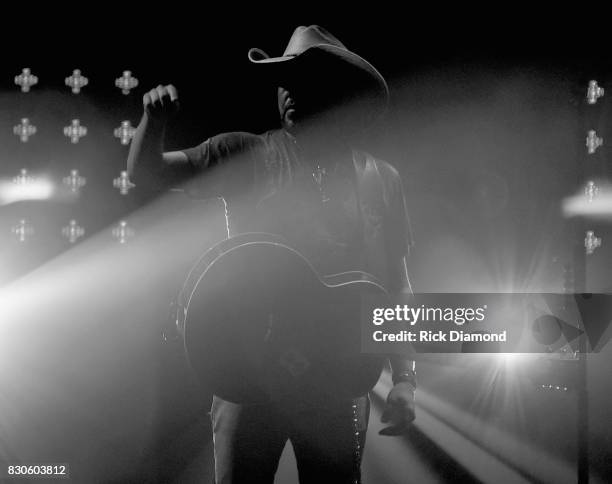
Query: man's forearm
{"points": [[145, 159], [402, 367]]}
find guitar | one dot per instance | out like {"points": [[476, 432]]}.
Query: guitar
{"points": [[260, 325]]}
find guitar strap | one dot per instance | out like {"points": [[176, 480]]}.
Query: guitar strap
{"points": [[369, 190], [369, 182], [374, 203]]}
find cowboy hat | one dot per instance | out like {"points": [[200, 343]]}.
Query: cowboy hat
{"points": [[314, 46]]}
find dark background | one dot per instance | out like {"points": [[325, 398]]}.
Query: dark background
{"points": [[486, 128]]}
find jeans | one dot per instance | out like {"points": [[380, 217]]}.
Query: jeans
{"points": [[328, 440]]}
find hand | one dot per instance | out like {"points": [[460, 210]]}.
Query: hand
{"points": [[161, 103], [399, 409]]}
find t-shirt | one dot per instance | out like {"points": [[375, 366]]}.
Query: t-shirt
{"points": [[350, 215]]}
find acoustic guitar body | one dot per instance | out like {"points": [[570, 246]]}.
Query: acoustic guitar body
{"points": [[260, 325]]}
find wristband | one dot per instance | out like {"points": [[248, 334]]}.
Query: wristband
{"points": [[405, 377]]}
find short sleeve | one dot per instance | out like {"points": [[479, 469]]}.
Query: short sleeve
{"points": [[224, 164]]}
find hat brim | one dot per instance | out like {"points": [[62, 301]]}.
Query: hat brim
{"points": [[349, 66]]}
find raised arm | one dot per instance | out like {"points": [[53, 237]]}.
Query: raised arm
{"points": [[148, 165], [225, 159]]}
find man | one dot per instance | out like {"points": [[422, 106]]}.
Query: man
{"points": [[340, 207]]}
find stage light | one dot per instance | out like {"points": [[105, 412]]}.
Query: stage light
{"points": [[594, 92], [122, 232], [24, 187], [74, 181], [510, 358], [126, 82], [591, 242], [480, 346], [75, 131], [516, 363], [76, 81], [125, 132], [553, 387], [24, 130], [23, 178], [593, 142], [123, 183], [554, 372], [26, 80], [73, 231], [36, 190], [591, 190], [22, 231], [594, 202]]}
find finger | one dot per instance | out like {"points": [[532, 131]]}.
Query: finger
{"points": [[154, 97], [394, 430], [146, 100], [172, 92], [389, 431], [161, 93]]}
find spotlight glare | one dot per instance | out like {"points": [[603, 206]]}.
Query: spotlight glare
{"points": [[39, 189], [509, 358], [589, 202]]}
